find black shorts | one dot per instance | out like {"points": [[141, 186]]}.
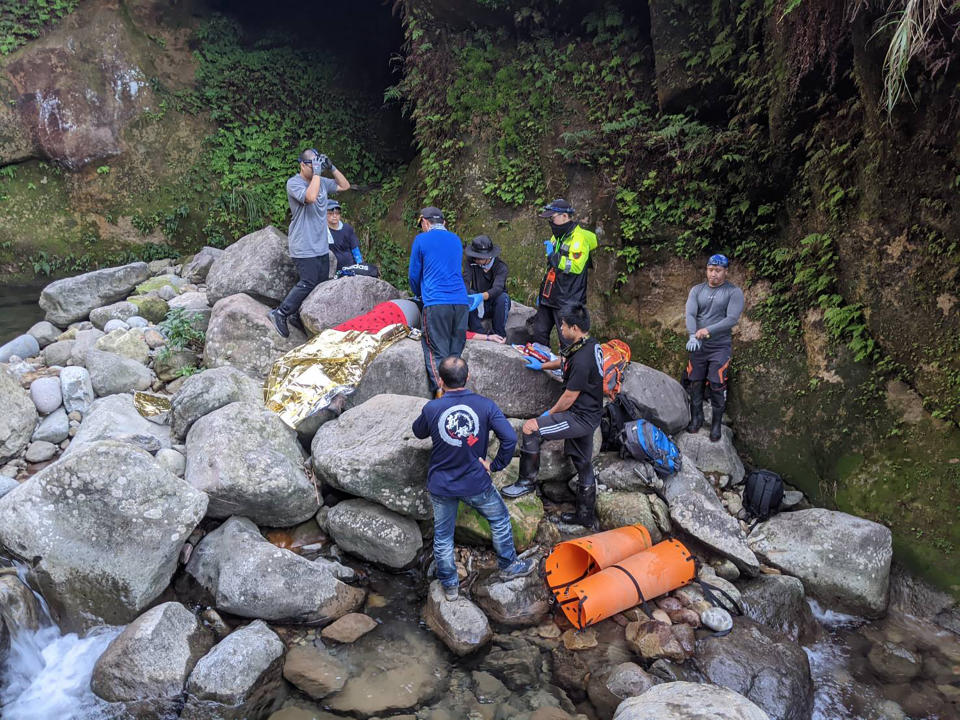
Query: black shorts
{"points": [[711, 364], [577, 435]]}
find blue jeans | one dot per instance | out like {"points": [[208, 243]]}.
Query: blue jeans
{"points": [[497, 310], [491, 506]]}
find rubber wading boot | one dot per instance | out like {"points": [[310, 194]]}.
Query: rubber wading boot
{"points": [[527, 482], [586, 506], [696, 407], [718, 401]]}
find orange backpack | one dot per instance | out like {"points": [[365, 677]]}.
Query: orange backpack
{"points": [[616, 357]]}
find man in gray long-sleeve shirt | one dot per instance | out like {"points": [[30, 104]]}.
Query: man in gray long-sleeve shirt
{"points": [[713, 308]]}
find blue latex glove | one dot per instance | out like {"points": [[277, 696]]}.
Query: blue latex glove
{"points": [[544, 413], [548, 246], [693, 344], [533, 363], [357, 256]]}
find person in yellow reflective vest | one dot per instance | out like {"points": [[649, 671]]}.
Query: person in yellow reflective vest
{"points": [[564, 284]]}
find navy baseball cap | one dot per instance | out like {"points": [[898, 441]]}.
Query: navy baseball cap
{"points": [[332, 205], [432, 213], [556, 207]]}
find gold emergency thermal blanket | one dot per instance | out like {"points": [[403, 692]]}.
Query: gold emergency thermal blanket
{"points": [[308, 378], [150, 405]]}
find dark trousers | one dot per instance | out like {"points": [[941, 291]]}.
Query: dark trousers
{"points": [[312, 271], [546, 319], [577, 437], [711, 364], [497, 310], [444, 333]]}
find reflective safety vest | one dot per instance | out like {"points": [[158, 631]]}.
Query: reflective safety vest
{"points": [[572, 253]]}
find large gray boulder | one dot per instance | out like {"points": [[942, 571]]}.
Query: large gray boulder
{"points": [[239, 679], [257, 264], [688, 701], [23, 346], [777, 602], [842, 560], [460, 624], [336, 301], [111, 373], [718, 458], [19, 416], [58, 353], [145, 666], [616, 509], [398, 370], [198, 268], [73, 298], [210, 390], [662, 400], [83, 342], [241, 334], [761, 665], [242, 573], [249, 463], [499, 373], [370, 451], [519, 323], [115, 417], [122, 310], [374, 533], [696, 509], [102, 529]]}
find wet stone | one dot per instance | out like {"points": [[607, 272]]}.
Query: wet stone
{"points": [[350, 628]]}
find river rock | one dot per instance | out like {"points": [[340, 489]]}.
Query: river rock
{"points": [[73, 298], [616, 509], [149, 307], [314, 671], [763, 666], [688, 701], [112, 325], [210, 390], [777, 602], [122, 310], [894, 663], [695, 507], [159, 283], [499, 373], [521, 602], [197, 269], [607, 689], [374, 533], [348, 629], [398, 370], [102, 529], [361, 454], [171, 365], [46, 395], [460, 624], [19, 416], [126, 343], [625, 474], [111, 373], [58, 353], [525, 515], [44, 333], [7, 484], [172, 461], [258, 265], [244, 574], [241, 334], [661, 399], [716, 619], [197, 307], [262, 476], [23, 346], [40, 451], [239, 679], [653, 640], [336, 301], [21, 611], [719, 458], [115, 417], [84, 341], [146, 665], [815, 546], [77, 389]]}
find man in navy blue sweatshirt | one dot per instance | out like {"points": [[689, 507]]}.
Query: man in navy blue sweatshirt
{"points": [[459, 424], [436, 276]]}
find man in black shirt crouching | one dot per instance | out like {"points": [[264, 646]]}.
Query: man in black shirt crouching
{"points": [[574, 417]]}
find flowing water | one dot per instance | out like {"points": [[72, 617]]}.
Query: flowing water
{"points": [[19, 309]]}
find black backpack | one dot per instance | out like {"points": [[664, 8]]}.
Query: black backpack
{"points": [[616, 415], [763, 493]]}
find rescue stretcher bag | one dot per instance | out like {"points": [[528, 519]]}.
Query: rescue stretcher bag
{"points": [[573, 560]]}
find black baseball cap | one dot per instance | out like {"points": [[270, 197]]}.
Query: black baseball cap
{"points": [[432, 213], [556, 207]]}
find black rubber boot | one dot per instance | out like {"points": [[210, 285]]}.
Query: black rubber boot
{"points": [[586, 506], [696, 407], [718, 402], [527, 482]]}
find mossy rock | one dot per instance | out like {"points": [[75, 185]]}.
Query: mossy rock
{"points": [[617, 509], [160, 281], [525, 515], [151, 308], [170, 366]]}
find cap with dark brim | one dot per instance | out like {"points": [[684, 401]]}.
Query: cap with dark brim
{"points": [[482, 248], [556, 207], [431, 213], [332, 205]]}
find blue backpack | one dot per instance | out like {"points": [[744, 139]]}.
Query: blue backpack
{"points": [[646, 442]]}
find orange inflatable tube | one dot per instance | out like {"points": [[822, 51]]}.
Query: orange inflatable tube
{"points": [[627, 583], [573, 560]]}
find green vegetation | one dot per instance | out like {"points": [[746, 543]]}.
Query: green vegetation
{"points": [[25, 20], [179, 328]]}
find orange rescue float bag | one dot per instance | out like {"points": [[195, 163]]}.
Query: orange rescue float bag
{"points": [[573, 560]]}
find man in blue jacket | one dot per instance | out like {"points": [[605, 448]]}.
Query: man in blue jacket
{"points": [[459, 424], [436, 276]]}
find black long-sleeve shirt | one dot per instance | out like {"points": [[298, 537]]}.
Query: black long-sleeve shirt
{"points": [[493, 281]]}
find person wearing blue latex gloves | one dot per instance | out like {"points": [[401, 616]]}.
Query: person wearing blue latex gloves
{"points": [[713, 309], [487, 275], [574, 417], [344, 244], [307, 236]]}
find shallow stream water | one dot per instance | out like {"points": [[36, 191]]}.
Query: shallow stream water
{"points": [[19, 309]]}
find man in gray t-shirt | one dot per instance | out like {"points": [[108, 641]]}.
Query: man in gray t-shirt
{"points": [[713, 308], [308, 239]]}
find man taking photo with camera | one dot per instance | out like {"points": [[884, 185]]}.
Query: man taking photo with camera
{"points": [[308, 239]]}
